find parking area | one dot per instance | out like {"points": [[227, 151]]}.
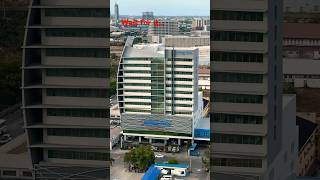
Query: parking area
{"points": [[120, 172]]}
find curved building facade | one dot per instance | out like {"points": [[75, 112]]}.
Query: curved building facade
{"points": [[64, 88]]}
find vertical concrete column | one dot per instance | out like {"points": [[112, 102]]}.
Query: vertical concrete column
{"points": [[150, 140], [179, 142], [165, 142], [139, 139], [125, 137]]}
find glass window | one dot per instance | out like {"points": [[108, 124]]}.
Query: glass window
{"points": [[237, 15], [237, 36], [238, 98]]}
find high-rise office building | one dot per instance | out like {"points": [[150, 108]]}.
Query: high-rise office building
{"points": [[163, 27], [116, 13], [247, 119], [147, 15], [64, 88], [158, 93]]}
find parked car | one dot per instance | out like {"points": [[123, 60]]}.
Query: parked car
{"points": [[166, 177], [158, 155]]}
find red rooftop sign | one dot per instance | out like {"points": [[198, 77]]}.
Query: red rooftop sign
{"points": [[135, 22]]}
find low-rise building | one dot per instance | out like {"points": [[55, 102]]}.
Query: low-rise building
{"points": [[302, 72], [308, 140]]}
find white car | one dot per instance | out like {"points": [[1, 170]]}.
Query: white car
{"points": [[158, 155], [166, 177]]}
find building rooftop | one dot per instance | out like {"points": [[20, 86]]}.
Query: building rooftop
{"points": [[203, 123], [306, 129], [308, 100], [301, 66], [305, 31], [14, 154], [144, 50]]}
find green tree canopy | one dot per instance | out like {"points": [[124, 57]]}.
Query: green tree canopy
{"points": [[141, 157]]}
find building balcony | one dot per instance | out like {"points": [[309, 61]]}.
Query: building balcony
{"points": [[93, 3], [83, 141], [240, 67], [252, 26], [75, 101], [74, 41], [74, 21], [75, 61], [240, 5], [242, 108], [240, 88], [254, 47], [245, 129], [75, 81], [240, 149]]}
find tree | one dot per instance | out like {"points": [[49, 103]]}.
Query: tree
{"points": [[141, 157], [173, 161], [206, 160]]}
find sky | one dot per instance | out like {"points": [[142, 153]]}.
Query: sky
{"points": [[163, 7]]}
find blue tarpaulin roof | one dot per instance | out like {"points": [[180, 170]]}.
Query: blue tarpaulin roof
{"points": [[152, 173]]}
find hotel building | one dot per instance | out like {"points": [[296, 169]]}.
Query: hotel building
{"points": [[158, 92], [64, 88], [248, 116]]}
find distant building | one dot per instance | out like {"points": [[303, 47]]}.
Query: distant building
{"points": [[116, 13], [186, 41], [147, 16], [204, 78], [164, 27], [301, 40], [302, 72], [200, 23], [301, 6]]}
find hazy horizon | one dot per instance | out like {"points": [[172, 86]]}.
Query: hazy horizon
{"points": [[162, 8]]}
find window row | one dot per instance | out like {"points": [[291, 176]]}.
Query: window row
{"points": [[179, 99], [237, 98], [77, 12], [96, 73], [237, 57], [237, 77], [94, 113], [237, 15], [179, 86], [78, 52], [79, 155], [77, 93], [233, 162], [236, 139], [236, 118], [179, 79], [97, 133], [237, 36]]}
